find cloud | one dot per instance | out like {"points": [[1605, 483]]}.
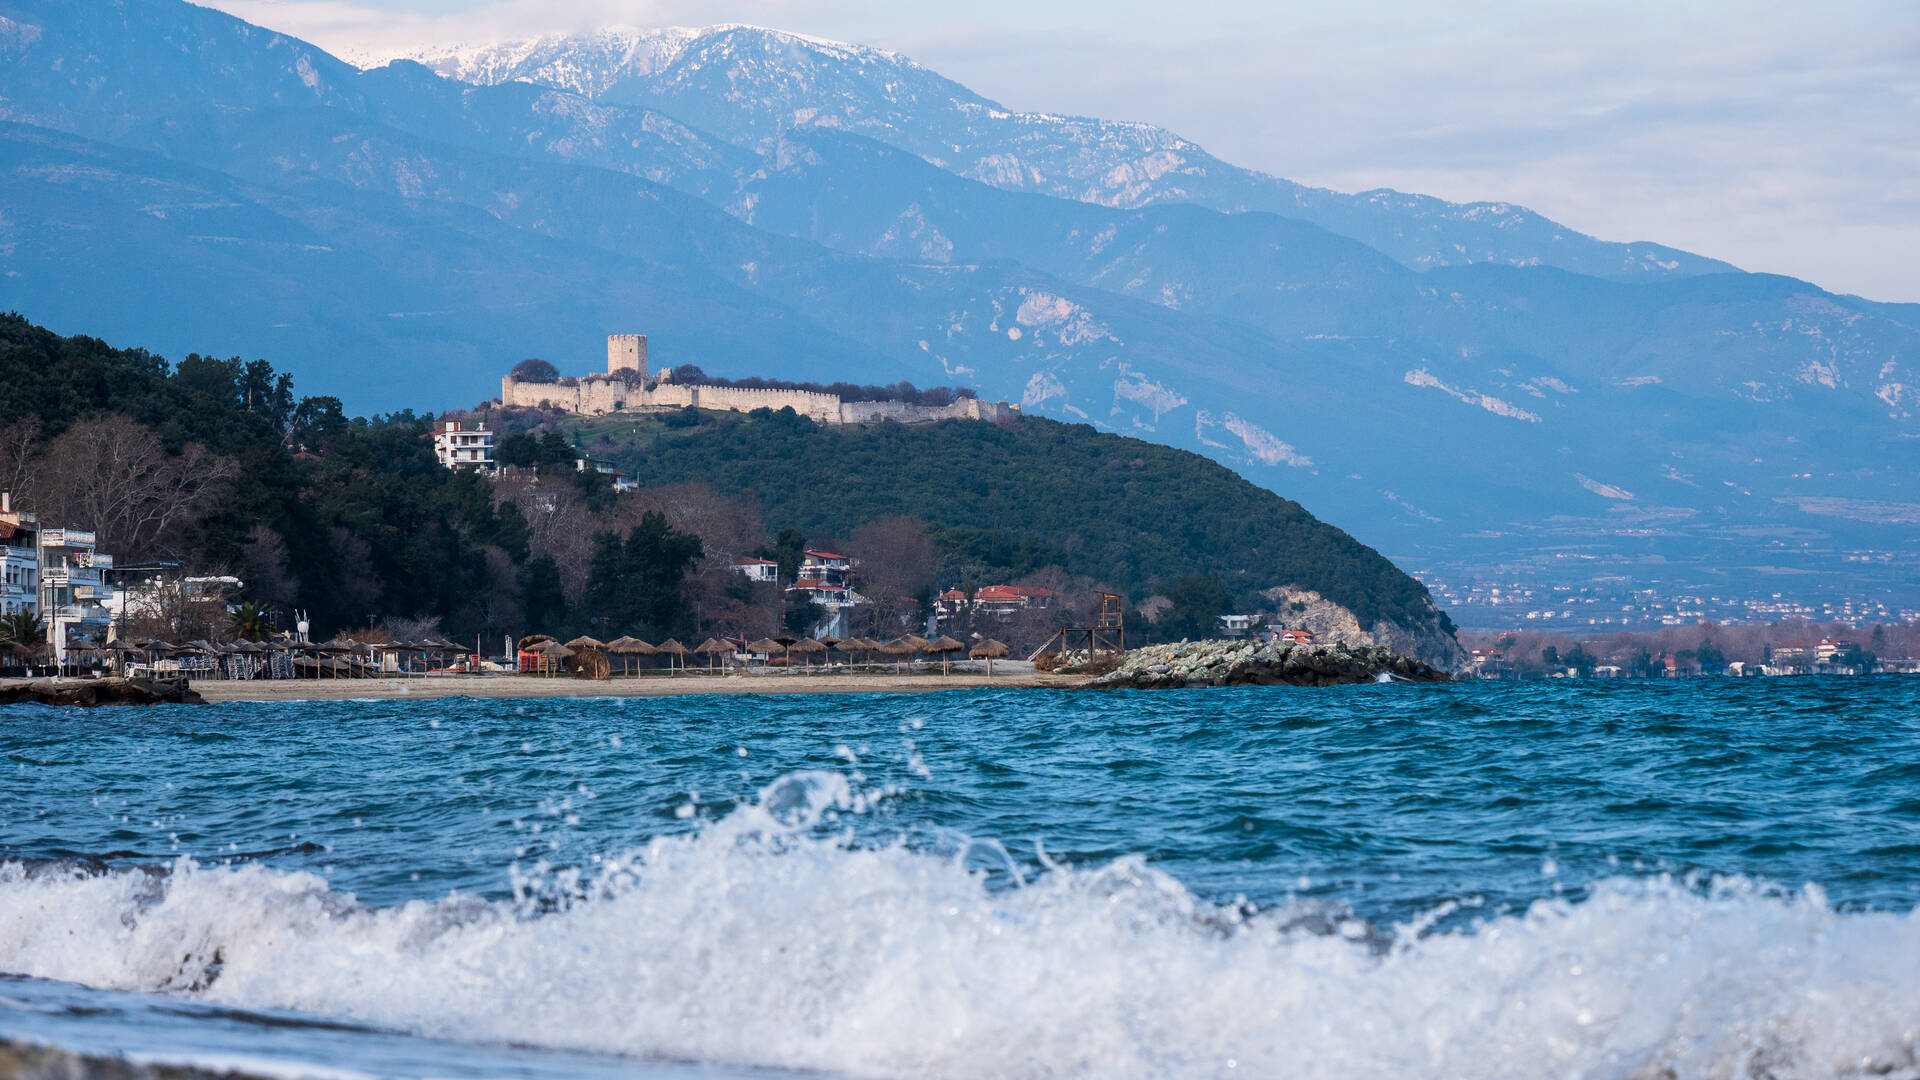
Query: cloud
{"points": [[354, 29]]}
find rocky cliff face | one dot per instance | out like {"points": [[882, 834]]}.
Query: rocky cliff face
{"points": [[1244, 663], [1430, 640]]}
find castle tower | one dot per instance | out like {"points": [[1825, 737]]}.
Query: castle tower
{"points": [[627, 354]]}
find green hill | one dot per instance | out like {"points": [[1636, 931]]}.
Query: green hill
{"points": [[1018, 496]]}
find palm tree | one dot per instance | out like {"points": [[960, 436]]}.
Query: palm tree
{"points": [[252, 621], [24, 634]]}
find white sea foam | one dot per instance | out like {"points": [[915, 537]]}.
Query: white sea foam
{"points": [[763, 940]]}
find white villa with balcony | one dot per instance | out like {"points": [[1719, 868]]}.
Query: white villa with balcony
{"points": [[460, 447], [73, 588]]}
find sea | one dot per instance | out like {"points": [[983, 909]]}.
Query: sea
{"points": [[1650, 879]]}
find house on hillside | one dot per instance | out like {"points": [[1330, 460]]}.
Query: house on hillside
{"points": [[621, 481], [460, 447], [826, 566], [1238, 625], [757, 569], [1001, 601], [1296, 637], [1004, 600]]}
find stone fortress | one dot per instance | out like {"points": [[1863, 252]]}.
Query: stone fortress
{"points": [[626, 387]]}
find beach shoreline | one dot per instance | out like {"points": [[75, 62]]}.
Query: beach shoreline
{"points": [[526, 687]]}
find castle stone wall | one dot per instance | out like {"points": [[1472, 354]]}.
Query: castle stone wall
{"points": [[597, 395]]}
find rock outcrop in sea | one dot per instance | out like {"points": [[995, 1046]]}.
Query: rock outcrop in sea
{"points": [[1245, 663], [89, 692]]}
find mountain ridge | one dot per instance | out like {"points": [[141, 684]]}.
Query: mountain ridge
{"points": [[1134, 172]]}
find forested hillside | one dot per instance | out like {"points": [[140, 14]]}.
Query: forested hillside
{"points": [[217, 464], [1007, 500]]}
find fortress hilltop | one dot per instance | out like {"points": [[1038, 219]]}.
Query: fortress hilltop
{"points": [[627, 386]]}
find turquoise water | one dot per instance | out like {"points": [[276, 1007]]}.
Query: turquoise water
{"points": [[1710, 878]]}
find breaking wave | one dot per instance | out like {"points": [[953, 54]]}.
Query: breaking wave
{"points": [[770, 937]]}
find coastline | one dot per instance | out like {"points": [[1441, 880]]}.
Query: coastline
{"points": [[516, 686]]}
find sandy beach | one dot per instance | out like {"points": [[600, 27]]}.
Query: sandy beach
{"points": [[526, 686]]}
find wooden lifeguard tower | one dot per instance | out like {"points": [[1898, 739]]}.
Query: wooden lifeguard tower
{"points": [[1108, 634]]}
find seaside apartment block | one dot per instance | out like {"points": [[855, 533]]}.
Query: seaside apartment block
{"points": [[58, 575]]}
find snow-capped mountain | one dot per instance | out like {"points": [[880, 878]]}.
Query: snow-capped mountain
{"points": [[1477, 389], [755, 86]]}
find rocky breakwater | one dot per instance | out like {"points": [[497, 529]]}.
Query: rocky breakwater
{"points": [[90, 692], [1244, 663]]}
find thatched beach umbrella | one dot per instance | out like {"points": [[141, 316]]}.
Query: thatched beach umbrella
{"points": [[765, 645], [551, 654], [806, 645], [624, 647], [897, 649], [989, 650], [585, 642], [674, 648], [946, 647], [713, 647]]}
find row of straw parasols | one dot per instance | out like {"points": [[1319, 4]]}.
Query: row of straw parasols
{"points": [[590, 654], [330, 657]]}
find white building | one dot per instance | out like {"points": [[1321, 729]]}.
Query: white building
{"points": [[73, 589], [757, 569], [460, 447], [621, 481], [19, 560], [155, 590]]}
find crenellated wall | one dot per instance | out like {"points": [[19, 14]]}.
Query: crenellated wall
{"points": [[597, 395]]}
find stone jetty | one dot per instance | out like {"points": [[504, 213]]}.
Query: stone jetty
{"points": [[1246, 663], [90, 692]]}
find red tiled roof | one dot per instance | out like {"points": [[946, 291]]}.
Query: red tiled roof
{"points": [[825, 555], [755, 562], [1010, 592]]}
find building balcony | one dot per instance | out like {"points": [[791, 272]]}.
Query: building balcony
{"points": [[66, 538]]}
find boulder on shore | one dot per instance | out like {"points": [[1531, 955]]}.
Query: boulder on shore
{"points": [[1246, 663], [91, 692]]}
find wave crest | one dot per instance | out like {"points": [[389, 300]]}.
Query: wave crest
{"points": [[769, 938]]}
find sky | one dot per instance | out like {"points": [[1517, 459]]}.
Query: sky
{"points": [[1781, 137]]}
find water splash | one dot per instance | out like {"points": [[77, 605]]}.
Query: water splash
{"points": [[773, 936]]}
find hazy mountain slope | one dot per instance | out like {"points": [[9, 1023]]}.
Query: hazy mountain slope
{"points": [[380, 300], [753, 85]]}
